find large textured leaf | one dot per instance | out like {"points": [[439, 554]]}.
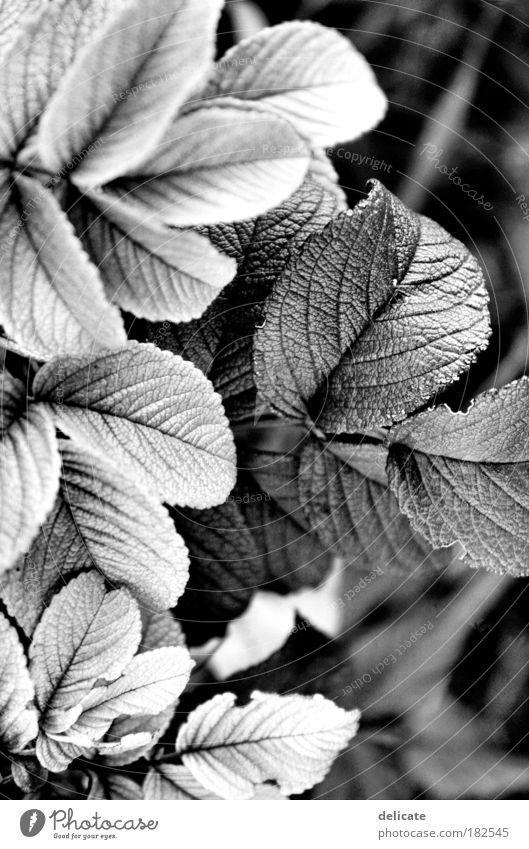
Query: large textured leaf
{"points": [[18, 718], [151, 411], [29, 469], [86, 634], [221, 344], [349, 504], [147, 268], [126, 85], [52, 298], [373, 316], [101, 519], [308, 73], [469, 485], [43, 48], [291, 740], [221, 162]]}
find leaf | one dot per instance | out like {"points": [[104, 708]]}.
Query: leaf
{"points": [[259, 539], [53, 300], [125, 87], [355, 513], [148, 269], [86, 634], [101, 520], [28, 774], [40, 53], [167, 781], [291, 740], [159, 630], [18, 717], [29, 470], [148, 685], [368, 345], [311, 75], [150, 411], [220, 162], [454, 757], [113, 786], [469, 485], [221, 343]]}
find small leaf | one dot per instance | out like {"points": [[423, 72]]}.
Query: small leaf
{"points": [[220, 162], [18, 717], [367, 347], [150, 411], [310, 74], [43, 47], [226, 566], [464, 477], [140, 733], [259, 539], [291, 740], [148, 269], [85, 635], [53, 300], [29, 469], [126, 85]]}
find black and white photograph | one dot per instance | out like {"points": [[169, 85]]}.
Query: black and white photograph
{"points": [[264, 416]]}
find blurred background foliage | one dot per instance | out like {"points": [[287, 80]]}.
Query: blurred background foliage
{"points": [[449, 718]]}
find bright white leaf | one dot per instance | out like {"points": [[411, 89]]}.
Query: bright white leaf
{"points": [[150, 411], [86, 634], [148, 269], [221, 162], [29, 469], [126, 85], [291, 740], [18, 718], [312, 75], [52, 298]]}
